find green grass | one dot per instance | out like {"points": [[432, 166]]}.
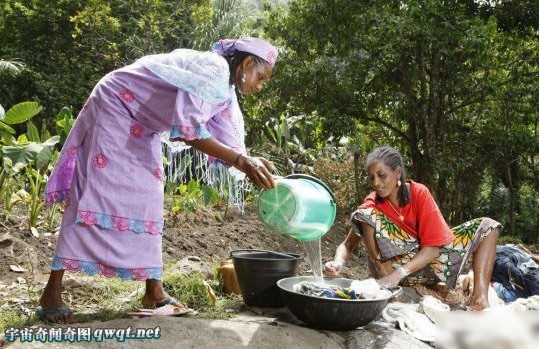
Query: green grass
{"points": [[100, 299], [106, 299], [506, 239], [14, 319], [191, 290]]}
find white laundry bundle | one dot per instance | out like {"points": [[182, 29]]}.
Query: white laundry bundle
{"points": [[521, 304], [369, 289], [415, 319], [430, 306]]}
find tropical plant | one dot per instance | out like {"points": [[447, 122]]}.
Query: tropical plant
{"points": [[188, 197], [17, 114], [64, 123], [25, 160], [12, 67], [10, 167]]}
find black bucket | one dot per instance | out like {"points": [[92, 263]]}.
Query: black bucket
{"points": [[258, 272]]}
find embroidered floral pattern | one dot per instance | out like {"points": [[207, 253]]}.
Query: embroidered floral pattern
{"points": [[87, 217], [136, 130], [56, 196], [158, 174], [140, 274], [106, 271], [153, 227], [72, 265], [189, 133], [127, 96], [271, 57], [93, 268], [100, 160], [72, 150], [119, 223], [226, 114]]}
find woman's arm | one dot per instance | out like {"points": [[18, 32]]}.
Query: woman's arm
{"points": [[334, 267], [257, 169], [419, 261]]}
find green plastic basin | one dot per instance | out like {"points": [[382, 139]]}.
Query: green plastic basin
{"points": [[300, 206]]}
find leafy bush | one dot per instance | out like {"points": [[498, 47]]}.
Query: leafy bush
{"points": [[188, 197], [340, 175], [26, 161]]}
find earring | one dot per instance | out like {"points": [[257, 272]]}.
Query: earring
{"points": [[243, 78], [399, 183]]}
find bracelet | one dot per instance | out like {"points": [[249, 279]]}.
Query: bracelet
{"points": [[403, 272], [238, 159]]}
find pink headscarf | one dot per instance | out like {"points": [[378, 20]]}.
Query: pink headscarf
{"points": [[258, 47]]}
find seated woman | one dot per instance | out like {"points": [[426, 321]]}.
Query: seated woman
{"points": [[407, 238]]}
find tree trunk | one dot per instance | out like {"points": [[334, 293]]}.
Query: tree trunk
{"points": [[422, 170], [512, 200], [536, 240], [357, 180]]}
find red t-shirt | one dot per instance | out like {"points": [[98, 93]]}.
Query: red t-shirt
{"points": [[422, 217]]}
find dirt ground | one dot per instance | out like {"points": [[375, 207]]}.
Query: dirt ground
{"points": [[200, 234]]}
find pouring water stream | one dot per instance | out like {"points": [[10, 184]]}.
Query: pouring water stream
{"points": [[314, 257]]}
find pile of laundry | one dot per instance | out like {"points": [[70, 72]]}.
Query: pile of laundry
{"points": [[418, 320], [359, 289], [515, 274], [421, 320]]}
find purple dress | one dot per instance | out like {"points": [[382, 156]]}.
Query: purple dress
{"points": [[110, 171]]}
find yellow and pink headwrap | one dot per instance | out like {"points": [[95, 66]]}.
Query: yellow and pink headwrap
{"points": [[256, 46]]}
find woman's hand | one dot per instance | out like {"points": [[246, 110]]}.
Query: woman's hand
{"points": [[333, 268], [391, 280], [344, 251], [257, 170]]}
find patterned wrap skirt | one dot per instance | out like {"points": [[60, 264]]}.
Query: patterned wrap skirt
{"points": [[397, 245]]}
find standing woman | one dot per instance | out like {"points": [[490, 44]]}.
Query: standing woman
{"points": [[407, 238], [110, 170]]}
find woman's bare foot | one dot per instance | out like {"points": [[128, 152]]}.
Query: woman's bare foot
{"points": [[53, 308], [155, 295], [478, 303]]}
